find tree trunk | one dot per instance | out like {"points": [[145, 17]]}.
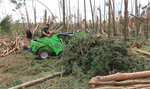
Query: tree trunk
{"points": [[119, 83], [137, 15], [104, 15], [126, 20], [122, 76], [85, 15], [92, 14], [27, 15], [100, 16], [109, 20], [113, 18], [96, 27], [45, 17], [35, 17], [64, 17]]}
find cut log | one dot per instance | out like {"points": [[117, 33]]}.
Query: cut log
{"points": [[141, 86], [31, 83], [122, 76], [119, 83], [142, 52]]}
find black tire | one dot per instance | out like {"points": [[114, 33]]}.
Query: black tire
{"points": [[43, 54]]}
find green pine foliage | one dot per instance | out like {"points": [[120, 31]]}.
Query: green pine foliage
{"points": [[5, 24], [94, 56]]}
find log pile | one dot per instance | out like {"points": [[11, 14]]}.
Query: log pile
{"points": [[8, 47], [136, 80]]}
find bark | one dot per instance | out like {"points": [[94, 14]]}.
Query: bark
{"points": [[96, 27], [139, 86], [142, 52], [45, 17], [113, 18], [119, 83], [137, 15], [109, 20], [27, 15], [35, 17], [126, 20], [122, 76], [64, 16], [92, 12], [31, 83], [100, 16], [78, 12], [104, 16], [85, 15]]}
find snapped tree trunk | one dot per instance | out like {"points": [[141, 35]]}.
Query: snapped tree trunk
{"points": [[92, 12]]}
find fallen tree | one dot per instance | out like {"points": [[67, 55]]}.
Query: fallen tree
{"points": [[119, 83], [140, 86], [122, 76], [31, 83]]}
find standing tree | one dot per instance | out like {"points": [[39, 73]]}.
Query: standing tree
{"points": [[148, 18], [109, 19], [92, 12], [126, 20], [113, 18], [64, 16], [100, 16], [85, 14], [136, 20]]}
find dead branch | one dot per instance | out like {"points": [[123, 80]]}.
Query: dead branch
{"points": [[31, 83]]}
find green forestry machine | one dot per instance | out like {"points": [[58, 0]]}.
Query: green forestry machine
{"points": [[54, 45]]}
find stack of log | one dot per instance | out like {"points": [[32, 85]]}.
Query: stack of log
{"points": [[8, 47], [136, 80]]}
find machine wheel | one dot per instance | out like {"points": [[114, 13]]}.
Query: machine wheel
{"points": [[43, 54]]}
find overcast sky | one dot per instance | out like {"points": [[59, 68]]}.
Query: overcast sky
{"points": [[7, 8]]}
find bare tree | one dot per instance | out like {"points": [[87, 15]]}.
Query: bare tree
{"points": [[100, 16], [104, 14], [64, 16], [45, 17], [109, 20], [113, 18], [92, 14], [126, 20], [148, 18], [136, 20], [85, 14], [34, 10]]}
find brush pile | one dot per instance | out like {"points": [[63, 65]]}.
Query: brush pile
{"points": [[94, 56], [11, 46]]}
